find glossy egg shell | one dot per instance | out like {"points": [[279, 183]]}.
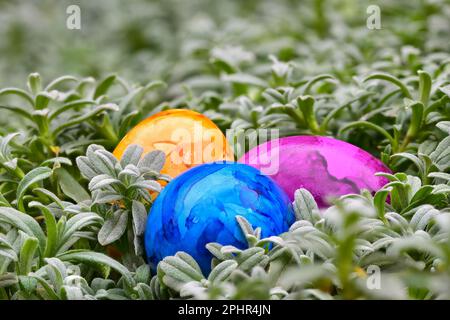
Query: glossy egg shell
{"points": [[322, 165], [200, 206], [186, 137]]}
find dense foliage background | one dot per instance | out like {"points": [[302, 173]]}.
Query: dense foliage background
{"points": [[72, 216]]}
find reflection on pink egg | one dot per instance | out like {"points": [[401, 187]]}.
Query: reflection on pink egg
{"points": [[324, 166]]}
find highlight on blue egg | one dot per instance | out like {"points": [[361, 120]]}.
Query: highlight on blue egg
{"points": [[200, 206]]}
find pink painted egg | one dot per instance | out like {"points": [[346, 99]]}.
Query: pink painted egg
{"points": [[324, 166]]}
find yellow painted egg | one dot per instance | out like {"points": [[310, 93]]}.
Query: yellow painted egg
{"points": [[188, 138]]}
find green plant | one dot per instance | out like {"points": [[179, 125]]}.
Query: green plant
{"points": [[121, 195], [66, 203]]}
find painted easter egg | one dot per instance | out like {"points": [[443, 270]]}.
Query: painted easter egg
{"points": [[187, 138], [200, 206], [324, 166]]}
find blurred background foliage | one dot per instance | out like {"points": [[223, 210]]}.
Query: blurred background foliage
{"points": [[177, 40]]}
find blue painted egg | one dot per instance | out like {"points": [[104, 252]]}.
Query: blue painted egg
{"points": [[201, 205]]}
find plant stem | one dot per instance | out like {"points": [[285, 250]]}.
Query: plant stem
{"points": [[3, 294]]}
